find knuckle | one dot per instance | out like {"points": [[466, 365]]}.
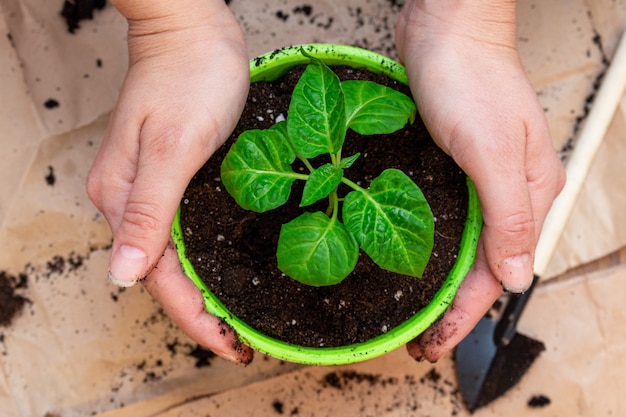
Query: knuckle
{"points": [[142, 218], [560, 178], [95, 189], [516, 226], [166, 140], [549, 177]]}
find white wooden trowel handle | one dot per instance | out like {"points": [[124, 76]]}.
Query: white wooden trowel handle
{"points": [[607, 99]]}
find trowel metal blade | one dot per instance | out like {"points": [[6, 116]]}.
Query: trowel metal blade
{"points": [[486, 371], [474, 356]]}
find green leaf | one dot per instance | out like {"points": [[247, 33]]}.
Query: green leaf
{"points": [[349, 160], [316, 250], [257, 169], [392, 223], [281, 127], [320, 183], [373, 109], [316, 117]]}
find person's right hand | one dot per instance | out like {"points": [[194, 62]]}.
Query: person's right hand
{"points": [[184, 91]]}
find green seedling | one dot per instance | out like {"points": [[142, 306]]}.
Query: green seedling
{"points": [[390, 221]]}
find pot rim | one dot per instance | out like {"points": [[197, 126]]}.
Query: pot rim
{"points": [[271, 66]]}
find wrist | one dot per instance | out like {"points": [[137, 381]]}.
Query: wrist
{"points": [[166, 15], [163, 27], [485, 21]]}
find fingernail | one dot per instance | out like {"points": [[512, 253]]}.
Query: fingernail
{"points": [[237, 360], [127, 266], [243, 358], [517, 273]]}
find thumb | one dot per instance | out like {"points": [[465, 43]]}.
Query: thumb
{"points": [[509, 234], [143, 230]]}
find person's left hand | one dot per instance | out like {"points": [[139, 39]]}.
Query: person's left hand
{"points": [[476, 101]]}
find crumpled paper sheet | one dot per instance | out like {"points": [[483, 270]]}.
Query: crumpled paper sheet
{"points": [[82, 346], [576, 379]]}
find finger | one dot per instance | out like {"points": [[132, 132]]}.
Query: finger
{"points": [[509, 233], [184, 304], [477, 293], [153, 196], [545, 175], [509, 230], [109, 185], [111, 175], [514, 217]]}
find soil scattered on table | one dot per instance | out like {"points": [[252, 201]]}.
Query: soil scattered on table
{"points": [[14, 287], [170, 350], [11, 302], [75, 11], [539, 401], [372, 26], [233, 250], [50, 177], [51, 103], [372, 394]]}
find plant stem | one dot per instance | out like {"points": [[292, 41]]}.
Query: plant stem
{"points": [[353, 185], [295, 175], [333, 204], [334, 160], [306, 162]]}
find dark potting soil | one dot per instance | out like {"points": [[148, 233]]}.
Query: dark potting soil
{"points": [[233, 250]]}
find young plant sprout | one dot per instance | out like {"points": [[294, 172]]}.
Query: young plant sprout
{"points": [[390, 221]]}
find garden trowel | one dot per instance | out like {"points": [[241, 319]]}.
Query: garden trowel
{"points": [[494, 357]]}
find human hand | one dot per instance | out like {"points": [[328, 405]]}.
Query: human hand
{"points": [[183, 93], [474, 97]]}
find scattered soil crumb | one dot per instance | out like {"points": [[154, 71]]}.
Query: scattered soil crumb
{"points": [[51, 103], [278, 406], [432, 376], [339, 380], [305, 9], [51, 178], [203, 356], [539, 401], [115, 294], [11, 303], [77, 10], [402, 395]]}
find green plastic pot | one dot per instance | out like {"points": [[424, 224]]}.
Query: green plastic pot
{"points": [[272, 66]]}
